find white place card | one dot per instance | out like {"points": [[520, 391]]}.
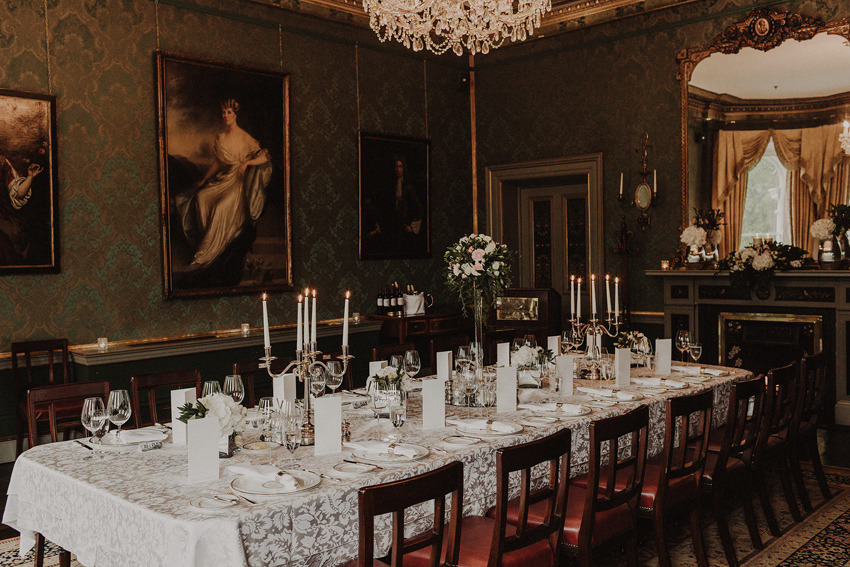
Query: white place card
{"points": [[328, 423], [554, 344], [375, 366], [179, 434], [444, 365], [663, 352], [203, 437], [433, 403], [506, 386], [284, 387], [566, 372], [622, 364], [503, 354]]}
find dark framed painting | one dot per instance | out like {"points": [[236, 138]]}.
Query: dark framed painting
{"points": [[29, 231], [224, 178], [394, 197]]}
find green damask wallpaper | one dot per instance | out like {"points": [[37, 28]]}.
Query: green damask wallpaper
{"points": [[97, 57], [596, 90]]}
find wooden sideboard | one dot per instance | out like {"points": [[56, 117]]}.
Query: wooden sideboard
{"points": [[412, 327], [809, 308]]}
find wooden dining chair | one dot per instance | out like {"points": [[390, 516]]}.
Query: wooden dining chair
{"points": [[602, 504], [725, 467], [256, 380], [803, 431], [50, 399], [150, 384], [525, 531], [444, 344], [383, 352], [394, 498], [771, 449], [29, 371], [672, 482]]}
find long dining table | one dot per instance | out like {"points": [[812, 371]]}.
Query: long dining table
{"points": [[133, 509]]}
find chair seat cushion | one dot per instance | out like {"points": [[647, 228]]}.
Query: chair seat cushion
{"points": [[476, 538], [678, 490], [734, 468], [375, 563], [608, 524]]}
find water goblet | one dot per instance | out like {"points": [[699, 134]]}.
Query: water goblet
{"points": [[290, 428], [695, 350], [530, 341], [265, 420], [488, 387], [576, 338], [412, 364], [118, 410], [94, 419], [469, 385], [211, 387], [234, 388], [463, 358], [317, 381], [398, 411], [683, 339], [396, 360], [378, 400], [334, 375]]}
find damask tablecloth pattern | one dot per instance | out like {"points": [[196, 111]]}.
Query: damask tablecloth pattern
{"points": [[133, 510]]}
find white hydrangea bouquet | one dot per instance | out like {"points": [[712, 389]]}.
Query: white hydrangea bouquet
{"points": [[693, 236], [822, 229], [477, 262], [230, 415], [389, 376], [528, 356], [753, 266]]}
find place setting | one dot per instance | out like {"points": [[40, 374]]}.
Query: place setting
{"points": [[380, 453], [252, 481]]}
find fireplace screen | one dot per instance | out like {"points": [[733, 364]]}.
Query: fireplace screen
{"points": [[761, 341]]}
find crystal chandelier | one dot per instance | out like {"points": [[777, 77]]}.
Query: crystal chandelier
{"points": [[844, 138], [439, 25]]}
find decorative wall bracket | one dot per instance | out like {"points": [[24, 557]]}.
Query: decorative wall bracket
{"points": [[645, 193]]}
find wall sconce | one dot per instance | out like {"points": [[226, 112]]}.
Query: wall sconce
{"points": [[645, 193]]}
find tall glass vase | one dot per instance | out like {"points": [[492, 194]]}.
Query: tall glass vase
{"points": [[478, 316]]}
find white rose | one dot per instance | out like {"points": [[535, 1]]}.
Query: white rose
{"points": [[497, 265], [763, 261], [490, 247], [748, 254]]}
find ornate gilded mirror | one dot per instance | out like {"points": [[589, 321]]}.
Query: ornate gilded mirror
{"points": [[643, 196]]}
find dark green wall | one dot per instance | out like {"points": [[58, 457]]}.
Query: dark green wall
{"points": [[97, 58]]}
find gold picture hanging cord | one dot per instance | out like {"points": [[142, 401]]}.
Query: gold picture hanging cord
{"points": [[47, 49], [357, 80], [425, 85], [156, 20]]}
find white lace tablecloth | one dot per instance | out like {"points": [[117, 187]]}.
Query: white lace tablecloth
{"points": [[133, 509]]}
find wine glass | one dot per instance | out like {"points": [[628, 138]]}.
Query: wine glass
{"points": [[378, 401], [396, 360], [211, 387], [683, 340], [488, 389], [412, 364], [695, 350], [290, 429], [266, 418], [515, 344], [576, 338], [118, 409], [94, 418], [398, 410], [464, 358], [317, 382], [234, 388], [468, 384], [530, 340], [334, 375]]}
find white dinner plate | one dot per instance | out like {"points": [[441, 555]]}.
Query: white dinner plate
{"points": [[110, 442], [353, 469], [210, 503], [386, 458], [512, 428], [563, 412], [538, 420], [260, 446], [456, 440], [245, 484]]}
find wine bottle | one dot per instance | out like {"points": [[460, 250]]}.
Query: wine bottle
{"points": [[379, 304]]}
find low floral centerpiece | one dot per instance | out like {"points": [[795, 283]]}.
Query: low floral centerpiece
{"points": [[530, 363], [230, 415], [390, 376], [629, 339], [753, 266]]}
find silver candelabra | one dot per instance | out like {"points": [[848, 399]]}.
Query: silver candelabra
{"points": [[596, 327], [306, 363]]}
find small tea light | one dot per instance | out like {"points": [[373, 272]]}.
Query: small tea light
{"points": [[356, 317], [102, 344], [246, 329], [665, 264]]}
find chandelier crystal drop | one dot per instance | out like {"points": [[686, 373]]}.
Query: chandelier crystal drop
{"points": [[844, 138], [440, 25]]}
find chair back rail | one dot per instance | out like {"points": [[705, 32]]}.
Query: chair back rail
{"points": [[53, 348], [812, 387], [688, 424], [150, 384], [383, 352], [250, 371], [743, 420], [52, 395], [780, 396], [442, 344]]}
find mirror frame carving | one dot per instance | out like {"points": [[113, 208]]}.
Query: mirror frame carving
{"points": [[762, 29]]}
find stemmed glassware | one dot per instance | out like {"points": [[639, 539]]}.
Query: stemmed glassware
{"points": [[211, 387], [515, 344], [488, 389], [468, 384], [378, 401], [118, 410], [396, 360], [290, 428], [398, 410], [94, 418], [266, 417], [333, 378], [530, 341], [317, 381], [576, 338], [464, 358], [683, 340], [412, 364], [695, 350], [234, 388]]}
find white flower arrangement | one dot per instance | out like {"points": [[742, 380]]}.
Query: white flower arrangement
{"points": [[693, 236], [629, 339], [391, 375], [822, 229], [714, 237], [763, 261], [230, 415], [526, 356], [477, 262]]}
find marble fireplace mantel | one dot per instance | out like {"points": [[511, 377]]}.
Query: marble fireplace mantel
{"points": [[699, 300]]}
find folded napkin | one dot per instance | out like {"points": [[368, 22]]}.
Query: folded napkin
{"points": [[525, 379], [689, 370], [660, 382], [482, 425], [552, 407], [608, 393], [715, 372], [381, 448], [265, 472], [140, 435]]}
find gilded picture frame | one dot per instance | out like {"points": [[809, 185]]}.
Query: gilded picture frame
{"points": [[394, 197], [224, 178], [29, 219]]}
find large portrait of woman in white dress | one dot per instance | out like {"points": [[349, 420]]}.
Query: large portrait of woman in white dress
{"points": [[224, 172]]}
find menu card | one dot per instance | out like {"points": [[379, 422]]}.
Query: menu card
{"points": [[566, 372], [554, 344], [375, 366], [203, 438], [663, 352], [178, 428], [284, 387], [328, 423], [622, 364], [433, 403], [503, 354], [444, 365], [506, 386]]}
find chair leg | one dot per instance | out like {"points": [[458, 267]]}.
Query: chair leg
{"points": [[814, 456], [38, 561], [696, 535], [64, 558], [719, 510], [750, 513], [785, 478], [764, 497], [631, 549], [797, 472], [660, 540]]}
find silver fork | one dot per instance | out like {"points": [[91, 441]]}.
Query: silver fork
{"points": [[237, 495]]}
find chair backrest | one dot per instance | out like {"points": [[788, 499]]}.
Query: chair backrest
{"points": [[150, 383], [56, 351], [688, 424], [812, 387], [384, 352], [608, 465], [348, 379], [780, 397], [395, 497], [252, 374], [492, 337], [554, 449], [61, 395], [743, 420], [446, 343]]}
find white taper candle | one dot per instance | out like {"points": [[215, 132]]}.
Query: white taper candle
{"points": [[345, 320], [299, 337], [266, 340]]}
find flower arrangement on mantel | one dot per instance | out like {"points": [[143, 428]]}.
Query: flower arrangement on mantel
{"points": [[822, 229], [478, 262], [230, 415], [753, 266], [836, 224]]}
